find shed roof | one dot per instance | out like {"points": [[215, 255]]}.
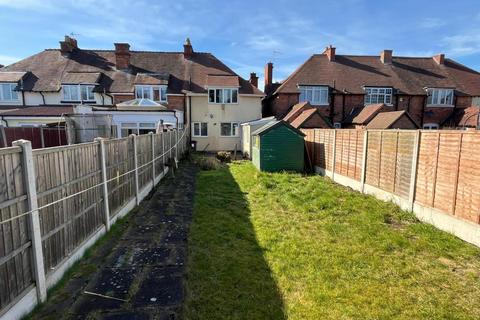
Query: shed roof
{"points": [[385, 120], [269, 126]]}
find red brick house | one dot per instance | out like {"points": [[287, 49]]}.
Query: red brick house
{"points": [[303, 116], [431, 89]]}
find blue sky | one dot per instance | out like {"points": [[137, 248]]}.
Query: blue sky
{"points": [[246, 34]]}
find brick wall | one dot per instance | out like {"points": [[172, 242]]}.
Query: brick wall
{"points": [[118, 98], [176, 102]]}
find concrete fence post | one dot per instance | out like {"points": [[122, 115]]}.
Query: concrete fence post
{"points": [[42, 138], [413, 173], [135, 163], [163, 149], [364, 161], [33, 218], [152, 141], [3, 136], [176, 143], [334, 150], [103, 167]]}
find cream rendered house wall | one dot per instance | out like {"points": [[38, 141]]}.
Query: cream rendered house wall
{"points": [[55, 98], [248, 108]]}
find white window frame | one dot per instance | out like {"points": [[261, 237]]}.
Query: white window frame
{"points": [[431, 126], [435, 96], [199, 124], [222, 100], [316, 95], [79, 90], [146, 92], [374, 95], [233, 125], [337, 125], [12, 92]]}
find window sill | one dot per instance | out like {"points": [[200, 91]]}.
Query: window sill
{"points": [[78, 101], [10, 101], [440, 106]]}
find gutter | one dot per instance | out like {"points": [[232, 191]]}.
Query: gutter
{"points": [[43, 97]]}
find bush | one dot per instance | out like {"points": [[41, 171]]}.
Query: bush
{"points": [[224, 156], [206, 162]]}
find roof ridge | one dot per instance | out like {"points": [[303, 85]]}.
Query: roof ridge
{"points": [[135, 51]]}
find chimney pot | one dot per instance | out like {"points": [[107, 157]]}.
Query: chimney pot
{"points": [[386, 56], [254, 79], [122, 55], [268, 75], [187, 49], [439, 58], [330, 52]]}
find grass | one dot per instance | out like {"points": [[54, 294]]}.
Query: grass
{"points": [[287, 246]]}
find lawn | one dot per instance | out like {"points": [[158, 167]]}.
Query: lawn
{"points": [[288, 246]]}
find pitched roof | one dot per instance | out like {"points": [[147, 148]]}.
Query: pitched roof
{"points": [[269, 126], [302, 117], [48, 67], [295, 109], [214, 80], [384, 120], [152, 78], [81, 77], [407, 74], [464, 117], [363, 115], [42, 111], [11, 76]]}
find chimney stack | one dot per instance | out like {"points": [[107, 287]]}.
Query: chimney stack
{"points": [[68, 45], [386, 56], [254, 79], [1, 65], [268, 75], [330, 52], [187, 49], [439, 58], [122, 55]]}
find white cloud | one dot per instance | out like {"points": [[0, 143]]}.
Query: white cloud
{"points": [[265, 43], [463, 44], [431, 23]]}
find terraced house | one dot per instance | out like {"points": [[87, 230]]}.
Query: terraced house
{"points": [[435, 91], [138, 89]]}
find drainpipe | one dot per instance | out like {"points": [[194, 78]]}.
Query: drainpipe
{"points": [[424, 104], [43, 97], [190, 118]]}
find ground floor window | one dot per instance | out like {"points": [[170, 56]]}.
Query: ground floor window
{"points": [[229, 129], [129, 128], [430, 126], [200, 129]]}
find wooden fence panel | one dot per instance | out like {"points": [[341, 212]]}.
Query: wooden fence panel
{"points": [[427, 168], [63, 171], [374, 155], [144, 156], [119, 161], [388, 160], [159, 166], [467, 204], [405, 154], [447, 171], [16, 273]]}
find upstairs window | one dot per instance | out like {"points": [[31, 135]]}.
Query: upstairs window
{"points": [[229, 129], [78, 92], [378, 95], [316, 95], [7, 92], [223, 96], [155, 93], [440, 96]]}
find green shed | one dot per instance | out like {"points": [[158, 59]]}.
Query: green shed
{"points": [[278, 146]]}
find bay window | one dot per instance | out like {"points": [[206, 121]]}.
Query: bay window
{"points": [[155, 93], [316, 95], [378, 95], [223, 96], [200, 129], [438, 96], [229, 129], [7, 92], [78, 92]]}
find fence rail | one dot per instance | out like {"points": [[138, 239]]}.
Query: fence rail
{"points": [[435, 174], [55, 202]]}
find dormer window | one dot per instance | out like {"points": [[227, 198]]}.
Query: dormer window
{"points": [[8, 93], [442, 97], [316, 95], [223, 95], [78, 92], [155, 93], [374, 95]]}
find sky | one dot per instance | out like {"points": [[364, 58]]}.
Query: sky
{"points": [[246, 34]]}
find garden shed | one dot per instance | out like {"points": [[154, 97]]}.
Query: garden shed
{"points": [[247, 129], [278, 146]]}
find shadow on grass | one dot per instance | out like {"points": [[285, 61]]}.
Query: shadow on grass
{"points": [[228, 277]]}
